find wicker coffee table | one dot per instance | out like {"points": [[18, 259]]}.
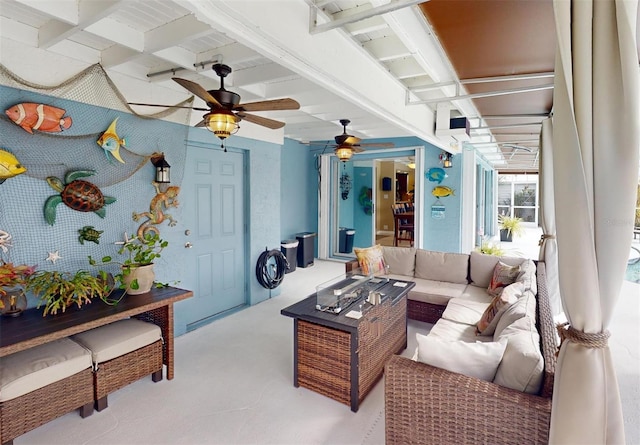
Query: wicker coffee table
{"points": [[342, 357]]}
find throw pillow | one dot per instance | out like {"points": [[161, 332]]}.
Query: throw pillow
{"points": [[370, 259], [503, 275], [479, 359], [491, 315]]}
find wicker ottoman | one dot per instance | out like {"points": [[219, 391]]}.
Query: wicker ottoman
{"points": [[42, 383], [122, 352]]}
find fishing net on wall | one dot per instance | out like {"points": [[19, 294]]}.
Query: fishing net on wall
{"points": [[54, 154]]}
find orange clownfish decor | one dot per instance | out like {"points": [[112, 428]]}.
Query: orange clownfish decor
{"points": [[39, 117]]}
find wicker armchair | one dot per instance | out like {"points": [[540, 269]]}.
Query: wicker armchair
{"points": [[428, 405]]}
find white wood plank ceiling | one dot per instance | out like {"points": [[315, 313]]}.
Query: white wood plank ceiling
{"points": [[366, 71]]}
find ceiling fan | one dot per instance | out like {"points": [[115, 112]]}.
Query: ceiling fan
{"points": [[225, 110], [346, 145]]}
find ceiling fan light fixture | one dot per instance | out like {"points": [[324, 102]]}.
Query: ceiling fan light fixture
{"points": [[344, 153], [222, 123]]}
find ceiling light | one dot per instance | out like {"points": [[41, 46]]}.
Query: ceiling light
{"points": [[344, 153], [223, 123]]}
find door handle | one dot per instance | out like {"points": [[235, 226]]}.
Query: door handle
{"points": [[188, 245]]}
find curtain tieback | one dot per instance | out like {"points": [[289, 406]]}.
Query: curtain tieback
{"points": [[543, 237], [593, 341]]}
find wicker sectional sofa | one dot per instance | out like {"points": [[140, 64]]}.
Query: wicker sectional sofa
{"points": [[426, 403]]}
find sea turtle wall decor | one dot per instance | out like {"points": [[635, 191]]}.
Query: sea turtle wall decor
{"points": [[89, 233], [76, 194]]}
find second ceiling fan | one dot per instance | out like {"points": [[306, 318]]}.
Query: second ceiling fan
{"points": [[346, 145], [225, 110]]}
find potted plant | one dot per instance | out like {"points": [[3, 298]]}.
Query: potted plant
{"points": [[489, 248], [58, 290], [510, 226], [13, 278], [136, 274]]}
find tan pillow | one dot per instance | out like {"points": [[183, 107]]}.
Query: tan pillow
{"points": [[524, 306], [482, 267], [528, 276], [503, 275], [400, 260], [479, 359], [370, 259], [442, 266], [491, 316]]}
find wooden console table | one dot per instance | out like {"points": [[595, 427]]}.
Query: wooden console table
{"points": [[32, 329], [341, 357]]}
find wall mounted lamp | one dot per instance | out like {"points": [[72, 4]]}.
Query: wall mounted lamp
{"points": [[445, 158], [163, 169]]}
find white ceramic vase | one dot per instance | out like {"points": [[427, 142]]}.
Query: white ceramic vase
{"points": [[144, 276]]}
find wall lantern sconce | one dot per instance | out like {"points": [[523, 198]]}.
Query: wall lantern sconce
{"points": [[445, 158], [163, 169], [223, 123]]}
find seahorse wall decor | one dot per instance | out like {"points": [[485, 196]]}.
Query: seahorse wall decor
{"points": [[156, 215]]}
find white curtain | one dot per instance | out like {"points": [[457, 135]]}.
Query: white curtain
{"points": [[548, 245], [595, 172]]}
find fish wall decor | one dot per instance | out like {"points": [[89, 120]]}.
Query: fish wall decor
{"points": [[9, 166], [111, 142], [436, 174], [441, 191], [31, 116]]}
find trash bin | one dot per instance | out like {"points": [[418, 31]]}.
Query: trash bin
{"points": [[306, 248], [289, 248], [345, 241]]}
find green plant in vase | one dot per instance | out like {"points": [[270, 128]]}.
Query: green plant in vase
{"points": [[510, 226], [136, 270], [59, 290], [489, 248]]}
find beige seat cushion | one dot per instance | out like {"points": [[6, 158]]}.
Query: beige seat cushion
{"points": [[118, 338], [522, 364], [464, 311], [37, 367], [435, 292], [442, 266], [400, 260], [478, 294], [453, 330]]}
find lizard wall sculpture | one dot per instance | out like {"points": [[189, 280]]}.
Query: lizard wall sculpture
{"points": [[156, 215]]}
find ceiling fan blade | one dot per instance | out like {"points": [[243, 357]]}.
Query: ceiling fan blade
{"points": [[320, 143], [168, 106], [374, 144], [259, 120], [198, 91], [269, 105]]}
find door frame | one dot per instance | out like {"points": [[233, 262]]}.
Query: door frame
{"points": [[326, 199]]}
